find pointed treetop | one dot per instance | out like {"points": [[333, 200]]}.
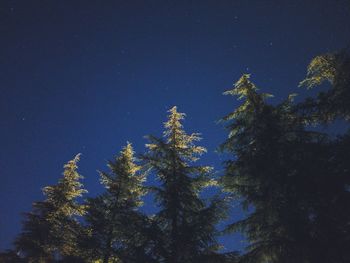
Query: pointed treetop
{"points": [[176, 135], [72, 164], [242, 87], [176, 139], [245, 89], [129, 146], [127, 152], [125, 178], [123, 166], [64, 194], [127, 155], [174, 121]]}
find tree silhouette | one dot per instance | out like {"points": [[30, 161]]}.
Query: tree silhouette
{"points": [[290, 176], [186, 225], [51, 229], [114, 225], [293, 180], [270, 147], [330, 228]]}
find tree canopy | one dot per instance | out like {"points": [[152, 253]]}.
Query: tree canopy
{"points": [[290, 177]]}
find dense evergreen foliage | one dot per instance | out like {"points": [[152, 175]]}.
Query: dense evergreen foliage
{"points": [[114, 226], [290, 176], [50, 231], [334, 103], [186, 225], [293, 180]]}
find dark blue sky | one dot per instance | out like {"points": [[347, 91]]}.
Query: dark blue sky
{"points": [[88, 76]]}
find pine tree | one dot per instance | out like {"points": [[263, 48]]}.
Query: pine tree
{"points": [[185, 225], [113, 221], [270, 172], [50, 230]]}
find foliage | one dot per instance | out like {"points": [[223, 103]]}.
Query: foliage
{"points": [[114, 226], [333, 103], [262, 138], [51, 229], [292, 180], [186, 226]]}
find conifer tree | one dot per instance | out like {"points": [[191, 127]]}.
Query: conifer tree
{"points": [[185, 224], [50, 230], [270, 173], [113, 221]]}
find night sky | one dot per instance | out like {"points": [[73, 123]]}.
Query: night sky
{"points": [[87, 76]]}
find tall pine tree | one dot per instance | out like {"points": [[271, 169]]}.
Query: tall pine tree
{"points": [[114, 224], [185, 224], [51, 229], [271, 171]]}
